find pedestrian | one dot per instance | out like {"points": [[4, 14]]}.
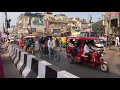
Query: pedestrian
{"points": [[36, 44], [57, 42], [105, 40], [60, 44], [116, 40], [40, 42], [27, 44], [119, 40], [20, 43], [7, 44], [110, 43]]}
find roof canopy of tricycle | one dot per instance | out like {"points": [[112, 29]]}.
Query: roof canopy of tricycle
{"points": [[83, 38]]}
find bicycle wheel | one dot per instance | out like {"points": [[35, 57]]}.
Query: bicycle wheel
{"points": [[56, 56], [52, 54], [40, 53]]}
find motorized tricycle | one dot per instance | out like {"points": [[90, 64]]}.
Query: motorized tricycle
{"points": [[31, 48], [78, 55]]}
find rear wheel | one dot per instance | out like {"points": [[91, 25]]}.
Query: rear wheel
{"points": [[104, 67], [40, 53], [56, 56], [70, 60]]}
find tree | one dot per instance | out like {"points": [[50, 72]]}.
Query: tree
{"points": [[98, 27]]}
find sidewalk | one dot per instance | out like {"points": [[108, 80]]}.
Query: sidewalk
{"points": [[113, 59], [1, 68], [10, 71]]}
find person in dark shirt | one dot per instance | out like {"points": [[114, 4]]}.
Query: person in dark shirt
{"points": [[27, 44]]}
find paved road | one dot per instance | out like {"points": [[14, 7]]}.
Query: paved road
{"points": [[10, 71], [83, 70]]}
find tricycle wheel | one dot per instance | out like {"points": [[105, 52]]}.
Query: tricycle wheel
{"points": [[70, 60], [32, 52], [104, 67]]}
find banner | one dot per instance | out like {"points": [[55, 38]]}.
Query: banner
{"points": [[37, 20]]}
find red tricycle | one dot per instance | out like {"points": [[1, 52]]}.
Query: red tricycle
{"points": [[75, 52]]}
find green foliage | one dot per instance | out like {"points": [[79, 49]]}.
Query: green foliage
{"points": [[98, 27]]}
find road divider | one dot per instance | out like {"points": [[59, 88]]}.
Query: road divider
{"points": [[34, 67], [18, 56]]}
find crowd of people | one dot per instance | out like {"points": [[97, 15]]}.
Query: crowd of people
{"points": [[48, 43], [45, 43], [110, 41]]}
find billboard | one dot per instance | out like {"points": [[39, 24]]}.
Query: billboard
{"points": [[37, 20]]}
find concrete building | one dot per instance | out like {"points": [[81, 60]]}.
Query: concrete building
{"points": [[77, 25], [111, 21], [57, 24], [30, 22]]}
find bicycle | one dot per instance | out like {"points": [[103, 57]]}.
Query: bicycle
{"points": [[54, 54]]}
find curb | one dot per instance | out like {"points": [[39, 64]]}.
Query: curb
{"points": [[32, 67]]}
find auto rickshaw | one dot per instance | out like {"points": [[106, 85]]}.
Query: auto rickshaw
{"points": [[30, 49], [78, 55], [63, 42]]}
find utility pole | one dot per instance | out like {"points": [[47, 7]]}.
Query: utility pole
{"points": [[109, 24], [6, 21], [30, 23], [90, 25]]}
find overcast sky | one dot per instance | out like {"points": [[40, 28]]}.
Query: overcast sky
{"points": [[82, 15]]}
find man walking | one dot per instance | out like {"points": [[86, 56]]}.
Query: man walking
{"points": [[117, 41], [104, 41]]}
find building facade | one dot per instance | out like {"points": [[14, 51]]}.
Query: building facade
{"points": [[77, 25], [57, 24], [111, 21], [29, 23], [48, 23]]}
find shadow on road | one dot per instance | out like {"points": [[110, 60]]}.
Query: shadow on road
{"points": [[118, 66]]}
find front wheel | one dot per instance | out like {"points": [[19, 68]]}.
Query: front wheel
{"points": [[104, 67], [56, 56], [40, 53]]}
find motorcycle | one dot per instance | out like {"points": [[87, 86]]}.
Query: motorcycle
{"points": [[97, 56]]}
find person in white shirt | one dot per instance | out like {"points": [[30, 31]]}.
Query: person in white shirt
{"points": [[104, 42], [87, 50], [51, 45], [117, 41]]}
